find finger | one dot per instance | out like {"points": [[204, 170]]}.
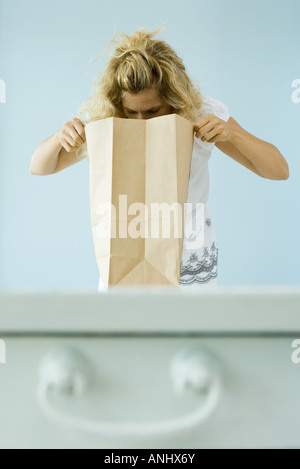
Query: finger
{"points": [[68, 139], [210, 135], [205, 120], [70, 130], [67, 147], [215, 139], [76, 137], [205, 129], [79, 127]]}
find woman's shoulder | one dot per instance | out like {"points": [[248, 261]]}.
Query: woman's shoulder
{"points": [[216, 107]]}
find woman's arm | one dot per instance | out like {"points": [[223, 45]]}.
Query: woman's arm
{"points": [[45, 158], [259, 156], [265, 157], [59, 151]]}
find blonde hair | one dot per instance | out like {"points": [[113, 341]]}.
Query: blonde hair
{"points": [[137, 63]]}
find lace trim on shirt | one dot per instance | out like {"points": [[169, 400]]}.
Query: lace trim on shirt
{"points": [[200, 271]]}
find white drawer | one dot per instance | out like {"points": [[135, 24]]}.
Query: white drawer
{"points": [[131, 381]]}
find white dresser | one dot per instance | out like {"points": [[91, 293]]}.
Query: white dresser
{"points": [[150, 369]]}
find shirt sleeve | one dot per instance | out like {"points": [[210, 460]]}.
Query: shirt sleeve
{"points": [[213, 106]]}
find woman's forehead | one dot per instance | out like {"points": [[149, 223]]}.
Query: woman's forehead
{"points": [[143, 98]]}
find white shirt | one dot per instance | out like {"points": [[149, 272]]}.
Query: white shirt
{"points": [[199, 265]]}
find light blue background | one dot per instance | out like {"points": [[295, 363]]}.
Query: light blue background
{"points": [[245, 54]]}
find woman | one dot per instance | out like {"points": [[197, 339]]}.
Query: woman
{"points": [[143, 79]]}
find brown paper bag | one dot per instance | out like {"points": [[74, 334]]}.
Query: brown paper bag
{"points": [[139, 177]]}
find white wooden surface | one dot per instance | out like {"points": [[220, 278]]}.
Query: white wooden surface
{"points": [[223, 310], [130, 340]]}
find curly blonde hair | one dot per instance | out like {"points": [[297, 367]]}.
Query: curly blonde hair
{"points": [[138, 62]]}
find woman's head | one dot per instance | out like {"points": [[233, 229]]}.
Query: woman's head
{"points": [[144, 78], [145, 104]]}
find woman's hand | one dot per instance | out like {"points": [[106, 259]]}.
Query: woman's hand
{"points": [[211, 129], [72, 135]]}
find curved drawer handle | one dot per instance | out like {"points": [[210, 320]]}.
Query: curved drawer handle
{"points": [[68, 372]]}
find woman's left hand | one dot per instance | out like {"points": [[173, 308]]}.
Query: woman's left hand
{"points": [[211, 129]]}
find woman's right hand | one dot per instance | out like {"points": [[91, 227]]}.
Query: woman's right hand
{"points": [[72, 135]]}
